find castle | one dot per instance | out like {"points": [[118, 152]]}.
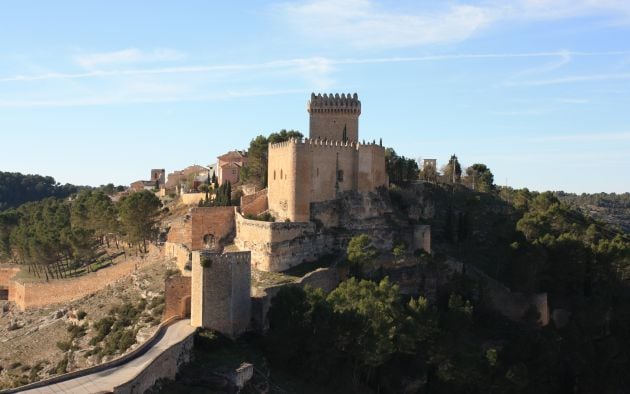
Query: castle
{"points": [[304, 177], [330, 161]]}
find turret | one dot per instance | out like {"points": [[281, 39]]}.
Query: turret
{"points": [[334, 117]]}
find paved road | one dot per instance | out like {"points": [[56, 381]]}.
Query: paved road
{"points": [[105, 381]]}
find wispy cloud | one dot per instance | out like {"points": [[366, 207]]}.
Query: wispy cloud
{"points": [[127, 56], [313, 65], [365, 24], [571, 79]]}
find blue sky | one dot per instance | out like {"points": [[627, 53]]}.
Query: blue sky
{"points": [[103, 91]]}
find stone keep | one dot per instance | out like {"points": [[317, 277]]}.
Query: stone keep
{"points": [[220, 291], [331, 161], [334, 117]]}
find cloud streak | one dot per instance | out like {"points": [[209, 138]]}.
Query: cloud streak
{"points": [[127, 56]]}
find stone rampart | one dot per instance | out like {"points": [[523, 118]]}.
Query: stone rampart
{"points": [[277, 246], [6, 274], [191, 198], [181, 232], [31, 295], [212, 227], [181, 254], [254, 204], [176, 297]]}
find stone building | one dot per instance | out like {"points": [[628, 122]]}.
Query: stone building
{"points": [[330, 161], [229, 166]]}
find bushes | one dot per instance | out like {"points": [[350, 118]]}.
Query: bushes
{"points": [[115, 333], [81, 315], [263, 217]]}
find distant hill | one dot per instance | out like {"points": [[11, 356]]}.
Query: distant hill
{"points": [[17, 188], [609, 208]]}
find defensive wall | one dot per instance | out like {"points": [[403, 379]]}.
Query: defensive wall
{"points": [[301, 172], [31, 295], [211, 227], [254, 204], [180, 232], [182, 255], [191, 198], [176, 297], [221, 291], [326, 279], [277, 246], [512, 305]]}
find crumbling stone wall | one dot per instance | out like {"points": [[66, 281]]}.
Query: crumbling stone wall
{"points": [[181, 232], [6, 274], [182, 255], [277, 246], [176, 297], [221, 291], [255, 203]]}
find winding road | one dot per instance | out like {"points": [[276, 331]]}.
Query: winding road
{"points": [[105, 381]]}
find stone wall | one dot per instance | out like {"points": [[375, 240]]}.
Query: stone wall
{"points": [[6, 274], [309, 171], [254, 204], [221, 291], [422, 237], [331, 114], [326, 279], [180, 232], [42, 294], [212, 227], [277, 246], [176, 297], [181, 254], [165, 366], [191, 198]]}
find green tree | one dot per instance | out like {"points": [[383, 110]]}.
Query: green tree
{"points": [[255, 171], [452, 172], [360, 251], [479, 177], [138, 216]]}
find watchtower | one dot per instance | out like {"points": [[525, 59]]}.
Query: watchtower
{"points": [[334, 117]]}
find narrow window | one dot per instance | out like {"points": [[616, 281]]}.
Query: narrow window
{"points": [[318, 171], [281, 175], [340, 176], [274, 175]]}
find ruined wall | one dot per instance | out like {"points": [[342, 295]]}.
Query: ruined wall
{"points": [[422, 237], [165, 366], [181, 254], [211, 227], [176, 297], [277, 246], [6, 274], [191, 198], [254, 204], [42, 294], [181, 232], [331, 114], [221, 291]]}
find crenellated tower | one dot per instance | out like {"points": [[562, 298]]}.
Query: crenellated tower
{"points": [[334, 117]]}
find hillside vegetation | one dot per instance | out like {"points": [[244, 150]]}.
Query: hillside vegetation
{"points": [[17, 189]]}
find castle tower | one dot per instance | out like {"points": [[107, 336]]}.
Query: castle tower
{"points": [[334, 117], [221, 291]]}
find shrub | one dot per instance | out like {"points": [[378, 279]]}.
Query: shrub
{"points": [[62, 366], [81, 315], [15, 365], [64, 346], [76, 331]]}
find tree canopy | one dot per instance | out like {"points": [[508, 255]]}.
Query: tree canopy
{"points": [[17, 189]]}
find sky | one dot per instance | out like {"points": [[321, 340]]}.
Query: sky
{"points": [[103, 91]]}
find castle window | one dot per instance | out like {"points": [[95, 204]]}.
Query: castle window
{"points": [[281, 175], [274, 175], [340, 176], [317, 171]]}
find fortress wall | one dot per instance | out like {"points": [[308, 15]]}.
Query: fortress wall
{"points": [[217, 222], [277, 246], [180, 233], [6, 274], [176, 297], [255, 203], [192, 198], [281, 180], [42, 294], [371, 168], [180, 253]]}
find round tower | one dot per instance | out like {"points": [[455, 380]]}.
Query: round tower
{"points": [[334, 117]]}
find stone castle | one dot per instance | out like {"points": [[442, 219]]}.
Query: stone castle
{"points": [[306, 179]]}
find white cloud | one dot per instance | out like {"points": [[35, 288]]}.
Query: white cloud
{"points": [[365, 24], [362, 24], [127, 56]]}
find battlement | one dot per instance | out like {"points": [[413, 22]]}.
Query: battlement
{"points": [[320, 142], [334, 103], [226, 257]]}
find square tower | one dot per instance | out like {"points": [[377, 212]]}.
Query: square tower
{"points": [[334, 117]]}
